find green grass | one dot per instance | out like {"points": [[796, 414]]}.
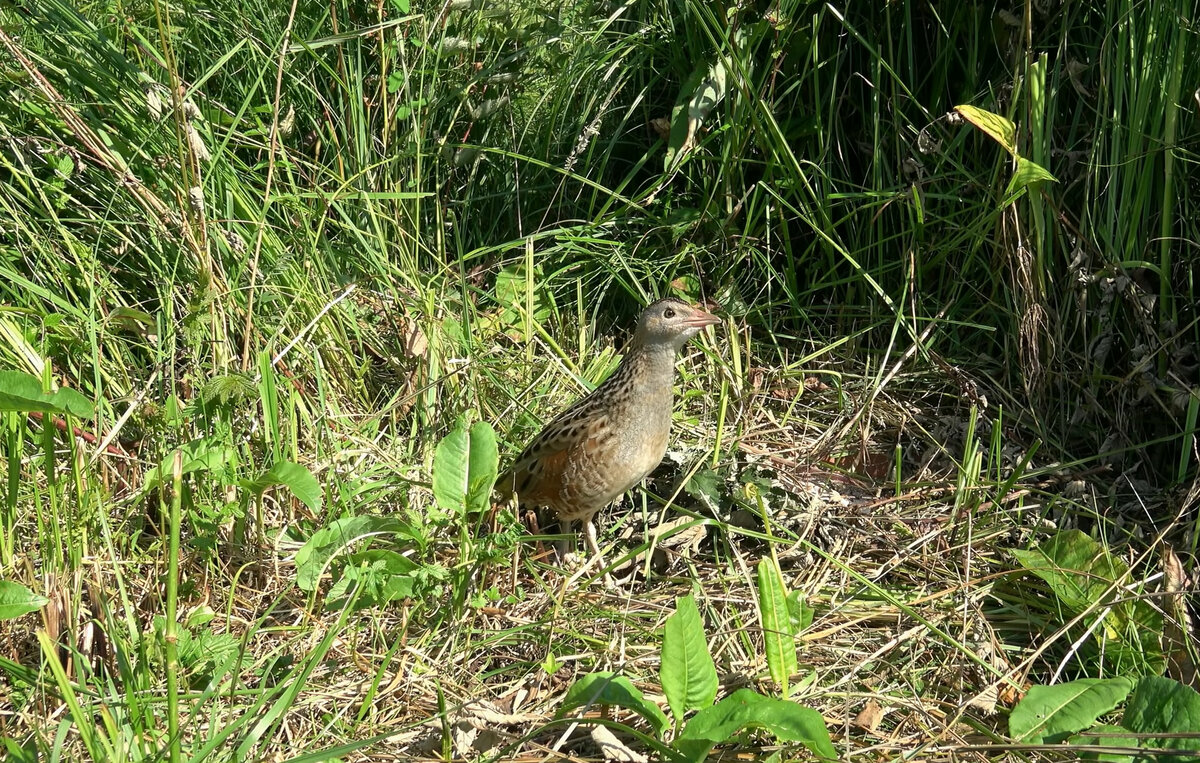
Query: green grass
{"points": [[325, 235]]}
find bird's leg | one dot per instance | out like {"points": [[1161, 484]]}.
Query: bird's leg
{"points": [[565, 527], [589, 532]]}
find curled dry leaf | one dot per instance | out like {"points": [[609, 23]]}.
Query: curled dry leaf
{"points": [[415, 342], [614, 749], [985, 701], [1177, 626], [869, 717]]}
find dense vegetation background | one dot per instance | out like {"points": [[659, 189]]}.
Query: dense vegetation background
{"points": [[306, 242]]}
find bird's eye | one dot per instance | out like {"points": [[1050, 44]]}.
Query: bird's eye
{"points": [[668, 313]]}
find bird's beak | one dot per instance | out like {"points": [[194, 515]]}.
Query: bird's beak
{"points": [[700, 319]]}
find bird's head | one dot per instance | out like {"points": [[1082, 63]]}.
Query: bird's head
{"points": [[671, 322]]}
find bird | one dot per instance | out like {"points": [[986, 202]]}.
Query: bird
{"points": [[607, 442]]}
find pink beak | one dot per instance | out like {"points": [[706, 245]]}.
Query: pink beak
{"points": [[700, 319]]}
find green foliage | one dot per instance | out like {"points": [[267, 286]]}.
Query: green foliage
{"points": [[996, 127], [294, 477], [616, 691], [1004, 132], [1106, 735], [203, 456], [776, 614], [200, 651], [374, 577], [1160, 715], [702, 92], [337, 538], [1049, 714], [271, 239], [23, 392], [689, 681], [743, 709], [227, 389], [16, 753], [17, 600], [1088, 580], [1163, 706], [689, 678], [464, 469], [523, 301]]}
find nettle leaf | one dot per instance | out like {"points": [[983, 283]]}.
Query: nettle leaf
{"points": [[745, 708], [689, 678], [377, 576], [23, 393], [610, 689], [707, 487], [227, 389], [1050, 714], [315, 556]]}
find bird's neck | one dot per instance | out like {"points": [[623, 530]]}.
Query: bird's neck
{"points": [[650, 364]]}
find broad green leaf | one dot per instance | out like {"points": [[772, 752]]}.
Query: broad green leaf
{"points": [[17, 600], [1106, 735], [23, 393], [464, 469], [778, 636], [689, 678], [315, 555], [1079, 571], [483, 466], [1049, 714], [405, 110], [1076, 567], [610, 689], [450, 470], [293, 476], [998, 128], [205, 454], [1163, 706], [745, 708], [679, 140], [1027, 173]]}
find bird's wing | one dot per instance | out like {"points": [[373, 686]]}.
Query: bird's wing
{"points": [[543, 460]]}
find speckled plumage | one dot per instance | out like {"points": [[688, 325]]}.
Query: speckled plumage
{"points": [[610, 440]]}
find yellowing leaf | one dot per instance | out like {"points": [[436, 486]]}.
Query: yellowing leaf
{"points": [[1001, 130]]}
